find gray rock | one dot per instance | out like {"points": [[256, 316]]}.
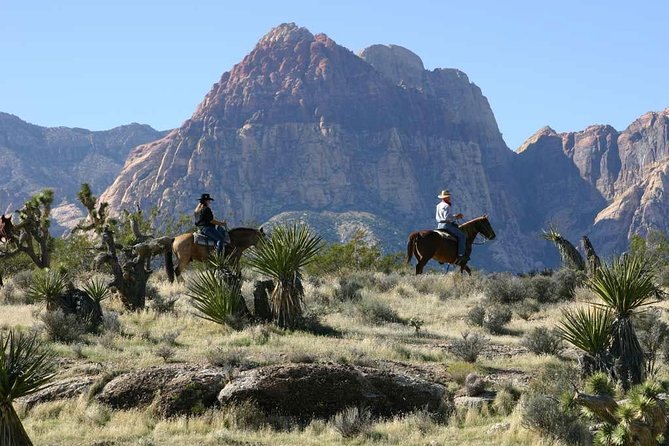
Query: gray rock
{"points": [[177, 389], [58, 390], [322, 390]]}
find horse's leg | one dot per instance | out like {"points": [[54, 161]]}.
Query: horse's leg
{"points": [[182, 263], [465, 268]]}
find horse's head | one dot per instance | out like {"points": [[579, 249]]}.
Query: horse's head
{"points": [[485, 228]]}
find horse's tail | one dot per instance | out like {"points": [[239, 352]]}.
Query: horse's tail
{"points": [[169, 263], [411, 243]]}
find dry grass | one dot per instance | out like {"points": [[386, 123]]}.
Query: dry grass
{"points": [[441, 301]]}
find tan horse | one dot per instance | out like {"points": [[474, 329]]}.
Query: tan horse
{"points": [[185, 249], [426, 245]]}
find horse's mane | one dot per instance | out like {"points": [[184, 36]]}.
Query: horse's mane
{"points": [[474, 220], [244, 229]]}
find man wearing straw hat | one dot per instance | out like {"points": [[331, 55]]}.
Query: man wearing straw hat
{"points": [[446, 221]]}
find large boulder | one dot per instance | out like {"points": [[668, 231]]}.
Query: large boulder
{"points": [[322, 390], [176, 389], [58, 390]]}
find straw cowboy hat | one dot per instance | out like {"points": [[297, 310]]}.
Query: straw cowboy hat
{"points": [[444, 193]]}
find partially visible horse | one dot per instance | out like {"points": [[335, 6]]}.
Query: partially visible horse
{"points": [[185, 249], [6, 228], [428, 244]]}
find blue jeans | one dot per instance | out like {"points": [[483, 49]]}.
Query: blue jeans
{"points": [[216, 233], [456, 232]]}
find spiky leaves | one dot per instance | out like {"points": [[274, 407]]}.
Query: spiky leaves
{"points": [[624, 286], [216, 300], [589, 329], [47, 286], [25, 367], [282, 256], [571, 258]]}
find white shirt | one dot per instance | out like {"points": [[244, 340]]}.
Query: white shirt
{"points": [[444, 213]]}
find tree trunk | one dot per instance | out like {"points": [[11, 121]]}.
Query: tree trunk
{"points": [[12, 432]]}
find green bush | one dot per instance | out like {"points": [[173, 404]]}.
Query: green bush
{"points": [[566, 281], [376, 312], [61, 327], [348, 290], [546, 415], [74, 253], [507, 289], [352, 422], [215, 300], [475, 315], [469, 346], [542, 341], [496, 317]]}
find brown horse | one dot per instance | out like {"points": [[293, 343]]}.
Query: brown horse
{"points": [[185, 249], [6, 228], [426, 245]]}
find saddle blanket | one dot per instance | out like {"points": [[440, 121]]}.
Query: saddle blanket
{"points": [[444, 234], [201, 239]]}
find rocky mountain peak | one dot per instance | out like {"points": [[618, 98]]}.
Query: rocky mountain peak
{"points": [[285, 33], [542, 133], [396, 63]]}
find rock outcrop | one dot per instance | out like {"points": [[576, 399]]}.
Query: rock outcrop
{"points": [[33, 158], [321, 390]]}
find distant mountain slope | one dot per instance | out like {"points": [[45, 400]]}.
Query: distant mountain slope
{"points": [[302, 124], [34, 157]]}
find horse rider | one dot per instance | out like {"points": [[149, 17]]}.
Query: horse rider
{"points": [[204, 219], [446, 221]]}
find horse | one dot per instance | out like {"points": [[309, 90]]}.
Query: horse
{"points": [[185, 249], [6, 228], [428, 244]]}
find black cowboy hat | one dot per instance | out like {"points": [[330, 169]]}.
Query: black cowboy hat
{"points": [[206, 197]]}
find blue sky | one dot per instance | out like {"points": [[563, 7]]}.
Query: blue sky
{"points": [[567, 64]]}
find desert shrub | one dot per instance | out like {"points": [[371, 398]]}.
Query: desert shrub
{"points": [[352, 422], [507, 289], [505, 401], [10, 294], [526, 308], [164, 351], [496, 317], [63, 327], [542, 288], [230, 357], [475, 315], [459, 370], [547, 416], [110, 322], [23, 279], [245, 415], [348, 290], [376, 312], [74, 253], [469, 346], [555, 378], [163, 304], [653, 334], [542, 341], [474, 384], [214, 299], [566, 281]]}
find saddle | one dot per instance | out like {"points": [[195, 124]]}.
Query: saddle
{"points": [[203, 240]]}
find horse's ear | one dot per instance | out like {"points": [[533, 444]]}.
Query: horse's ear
{"points": [[261, 230]]}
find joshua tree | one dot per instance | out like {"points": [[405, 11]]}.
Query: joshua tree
{"points": [[25, 367], [592, 258], [31, 235], [625, 286], [282, 256], [130, 261], [571, 258]]}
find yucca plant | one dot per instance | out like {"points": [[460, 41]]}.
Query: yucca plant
{"points": [[282, 256], [97, 289], [589, 329], [571, 258], [216, 300], [625, 286], [25, 367], [47, 286]]}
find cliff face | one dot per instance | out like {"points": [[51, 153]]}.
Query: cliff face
{"points": [[304, 125], [33, 158], [599, 182]]}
